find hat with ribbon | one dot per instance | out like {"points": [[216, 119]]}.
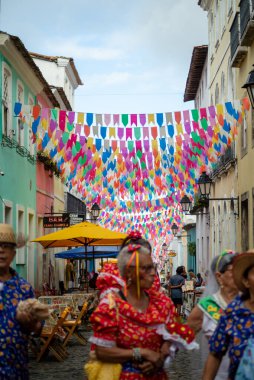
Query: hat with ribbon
{"points": [[7, 234], [241, 263]]}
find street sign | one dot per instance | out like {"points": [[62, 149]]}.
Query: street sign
{"points": [[76, 218], [56, 221]]}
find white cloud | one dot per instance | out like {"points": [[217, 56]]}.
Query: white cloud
{"points": [[74, 47]]}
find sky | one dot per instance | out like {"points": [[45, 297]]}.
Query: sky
{"points": [[132, 56]]}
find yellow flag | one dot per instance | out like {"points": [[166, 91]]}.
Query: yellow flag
{"points": [[80, 117], [151, 118]]}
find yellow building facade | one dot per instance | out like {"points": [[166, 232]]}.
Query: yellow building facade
{"points": [[223, 218]]}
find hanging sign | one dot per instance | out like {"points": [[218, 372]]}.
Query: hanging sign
{"points": [[56, 221], [77, 218]]}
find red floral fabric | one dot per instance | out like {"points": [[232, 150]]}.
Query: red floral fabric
{"points": [[115, 321], [109, 278]]}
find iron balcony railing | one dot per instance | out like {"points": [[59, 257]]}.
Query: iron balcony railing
{"points": [[246, 14], [235, 34], [227, 157]]}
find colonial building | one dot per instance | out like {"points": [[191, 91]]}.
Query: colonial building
{"points": [[223, 209], [63, 78], [22, 82], [197, 90]]}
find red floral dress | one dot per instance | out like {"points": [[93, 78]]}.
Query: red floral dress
{"points": [[116, 323]]}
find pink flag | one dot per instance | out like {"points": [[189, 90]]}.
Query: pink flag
{"points": [[128, 133], [107, 119], [116, 119], [142, 119], [134, 119]]}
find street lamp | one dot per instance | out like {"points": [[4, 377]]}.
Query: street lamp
{"points": [[185, 203], [174, 229], [164, 246], [249, 85], [204, 185], [95, 211]]}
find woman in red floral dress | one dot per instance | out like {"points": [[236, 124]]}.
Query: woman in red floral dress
{"points": [[136, 325]]}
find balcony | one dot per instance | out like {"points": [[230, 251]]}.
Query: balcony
{"points": [[238, 52], [10, 142], [246, 22], [225, 162]]}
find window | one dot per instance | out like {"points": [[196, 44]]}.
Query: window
{"points": [[217, 21], [30, 135], [30, 253], [244, 222], [223, 16], [6, 101], [222, 87], [229, 8], [7, 212], [219, 230], [230, 92], [20, 255], [217, 94], [252, 215], [211, 31], [244, 135], [20, 127], [252, 125]]}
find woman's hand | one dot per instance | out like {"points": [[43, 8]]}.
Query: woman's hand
{"points": [[146, 367], [28, 322], [156, 358], [165, 348]]}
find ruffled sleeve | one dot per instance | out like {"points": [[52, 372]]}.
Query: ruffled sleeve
{"points": [[219, 341], [104, 323]]}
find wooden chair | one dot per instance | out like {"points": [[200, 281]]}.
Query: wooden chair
{"points": [[71, 327], [50, 342]]}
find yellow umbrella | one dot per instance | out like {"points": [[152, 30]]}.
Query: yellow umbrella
{"points": [[82, 234]]}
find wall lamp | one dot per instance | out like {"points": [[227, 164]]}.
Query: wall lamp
{"points": [[174, 229], [249, 85], [95, 211], [204, 185]]}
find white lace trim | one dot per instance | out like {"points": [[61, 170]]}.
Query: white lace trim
{"points": [[107, 291], [102, 342], [176, 339], [119, 280]]}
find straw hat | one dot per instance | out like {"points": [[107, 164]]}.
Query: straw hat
{"points": [[242, 262], [7, 234]]}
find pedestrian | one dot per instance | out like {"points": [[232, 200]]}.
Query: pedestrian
{"points": [[176, 283], [192, 277], [132, 325], [92, 281], [69, 275], [16, 325], [219, 291], [234, 333], [199, 280]]}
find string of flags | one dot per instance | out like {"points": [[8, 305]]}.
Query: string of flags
{"points": [[134, 162]]}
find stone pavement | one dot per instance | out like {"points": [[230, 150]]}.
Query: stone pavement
{"points": [[187, 365]]}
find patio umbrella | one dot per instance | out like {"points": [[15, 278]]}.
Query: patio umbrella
{"points": [[80, 256], [82, 234]]}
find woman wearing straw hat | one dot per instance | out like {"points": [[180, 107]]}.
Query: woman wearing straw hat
{"points": [[16, 322], [235, 328]]}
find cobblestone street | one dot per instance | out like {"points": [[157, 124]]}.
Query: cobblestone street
{"points": [[187, 365]]}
